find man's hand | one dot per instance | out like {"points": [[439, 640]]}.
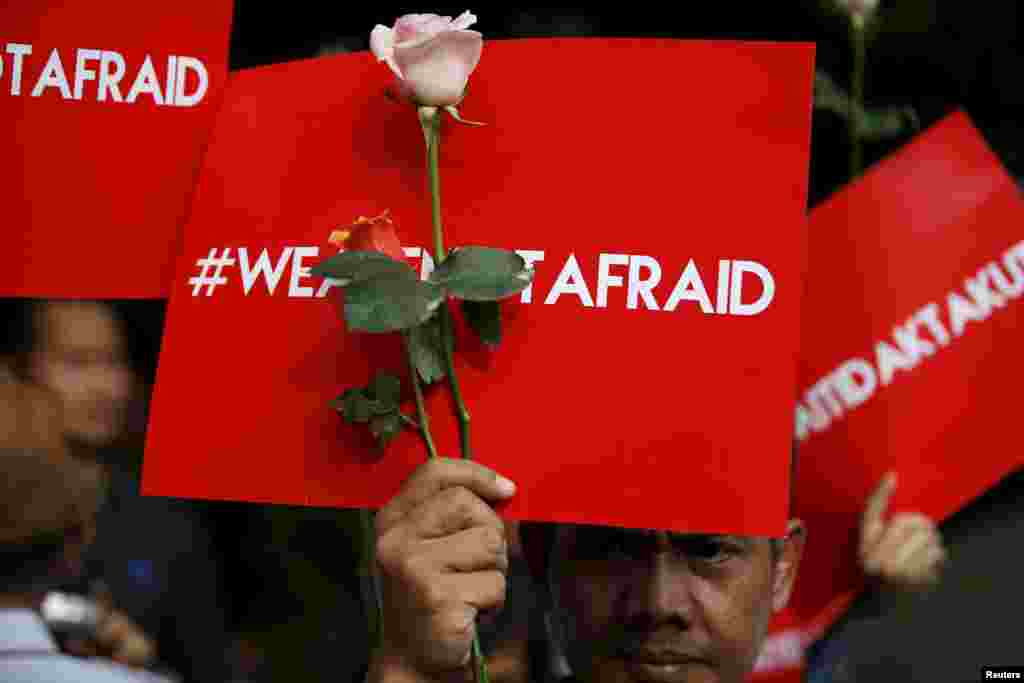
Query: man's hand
{"points": [[442, 554], [117, 636], [907, 551]]}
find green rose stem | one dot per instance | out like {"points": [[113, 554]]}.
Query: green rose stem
{"points": [[430, 120], [421, 411], [374, 599], [369, 533], [859, 43]]}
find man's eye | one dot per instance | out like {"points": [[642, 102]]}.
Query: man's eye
{"points": [[621, 546], [605, 543], [77, 361], [710, 549]]}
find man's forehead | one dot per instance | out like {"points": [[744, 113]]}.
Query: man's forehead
{"points": [[79, 325], [574, 531]]}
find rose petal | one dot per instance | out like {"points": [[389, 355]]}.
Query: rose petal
{"points": [[377, 234], [437, 71], [383, 47], [404, 91], [416, 26], [382, 42], [464, 21]]}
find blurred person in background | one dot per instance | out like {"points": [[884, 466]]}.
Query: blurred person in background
{"points": [[48, 506], [904, 555], [153, 556]]}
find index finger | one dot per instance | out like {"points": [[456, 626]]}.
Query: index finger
{"points": [[438, 474], [872, 524], [101, 595]]}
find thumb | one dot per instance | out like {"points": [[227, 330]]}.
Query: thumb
{"points": [[873, 521], [104, 601]]}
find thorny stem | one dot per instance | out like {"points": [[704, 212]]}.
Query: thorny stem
{"points": [[447, 325], [421, 411], [432, 128], [373, 616]]}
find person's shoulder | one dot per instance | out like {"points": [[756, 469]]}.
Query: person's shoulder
{"points": [[118, 672], [67, 668]]}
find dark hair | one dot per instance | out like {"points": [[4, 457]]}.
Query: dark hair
{"points": [[19, 336], [26, 567], [538, 538]]}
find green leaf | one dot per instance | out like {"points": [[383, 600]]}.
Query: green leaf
{"points": [[482, 274], [355, 406], [484, 317], [350, 267], [427, 352], [385, 389], [892, 122], [386, 427], [391, 302]]}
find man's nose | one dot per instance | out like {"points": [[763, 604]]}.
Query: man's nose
{"points": [[110, 380], [663, 591]]}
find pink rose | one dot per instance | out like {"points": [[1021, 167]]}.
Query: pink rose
{"points": [[432, 56]]}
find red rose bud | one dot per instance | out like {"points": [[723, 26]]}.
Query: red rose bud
{"points": [[370, 234]]}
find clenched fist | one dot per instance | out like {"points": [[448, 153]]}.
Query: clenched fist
{"points": [[442, 555], [907, 552], [117, 636]]}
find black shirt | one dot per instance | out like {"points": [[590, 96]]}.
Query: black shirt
{"points": [[157, 560]]}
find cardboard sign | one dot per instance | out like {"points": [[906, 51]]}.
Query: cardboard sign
{"points": [[645, 379], [106, 108], [912, 325]]}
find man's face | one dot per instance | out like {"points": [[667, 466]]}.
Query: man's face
{"points": [[81, 358], [668, 608]]}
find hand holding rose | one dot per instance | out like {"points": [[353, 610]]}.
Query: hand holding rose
{"points": [[442, 554]]}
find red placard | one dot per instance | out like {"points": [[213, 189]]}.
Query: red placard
{"points": [[601, 408], [106, 108], [912, 322]]}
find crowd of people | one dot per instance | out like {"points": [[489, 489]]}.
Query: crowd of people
{"points": [[592, 603]]}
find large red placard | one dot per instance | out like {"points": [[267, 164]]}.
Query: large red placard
{"points": [[912, 322], [105, 109], [607, 402]]}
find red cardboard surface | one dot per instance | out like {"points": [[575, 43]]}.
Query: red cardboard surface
{"points": [[939, 223], [600, 412], [98, 173]]}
